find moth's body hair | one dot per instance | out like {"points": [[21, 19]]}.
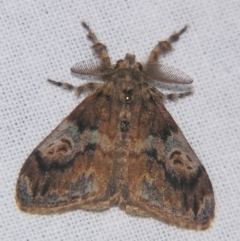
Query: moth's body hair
{"points": [[120, 146], [78, 90]]}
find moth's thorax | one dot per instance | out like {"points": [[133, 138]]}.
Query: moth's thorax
{"points": [[127, 83], [127, 90]]}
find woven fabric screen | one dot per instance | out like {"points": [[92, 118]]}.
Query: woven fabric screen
{"points": [[41, 39]]}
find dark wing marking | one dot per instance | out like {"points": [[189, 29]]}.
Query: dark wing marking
{"points": [[90, 68], [166, 74], [72, 167], [165, 178]]}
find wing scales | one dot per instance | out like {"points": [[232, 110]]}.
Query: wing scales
{"points": [[72, 163], [169, 181]]}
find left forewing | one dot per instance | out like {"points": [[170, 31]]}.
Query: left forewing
{"points": [[72, 167]]}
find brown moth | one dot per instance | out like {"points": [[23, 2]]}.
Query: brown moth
{"points": [[120, 146]]}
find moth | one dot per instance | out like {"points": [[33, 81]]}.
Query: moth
{"points": [[120, 147]]}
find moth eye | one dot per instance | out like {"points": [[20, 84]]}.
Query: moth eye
{"points": [[124, 126]]}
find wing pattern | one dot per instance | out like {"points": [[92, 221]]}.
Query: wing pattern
{"points": [[72, 167], [165, 177], [120, 146]]}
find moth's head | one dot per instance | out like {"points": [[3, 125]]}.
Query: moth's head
{"points": [[128, 63]]}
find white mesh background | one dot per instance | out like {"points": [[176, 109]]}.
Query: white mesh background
{"points": [[41, 39]]}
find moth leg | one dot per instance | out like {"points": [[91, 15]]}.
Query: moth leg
{"points": [[164, 46], [87, 87], [92, 86], [176, 96], [99, 48]]}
